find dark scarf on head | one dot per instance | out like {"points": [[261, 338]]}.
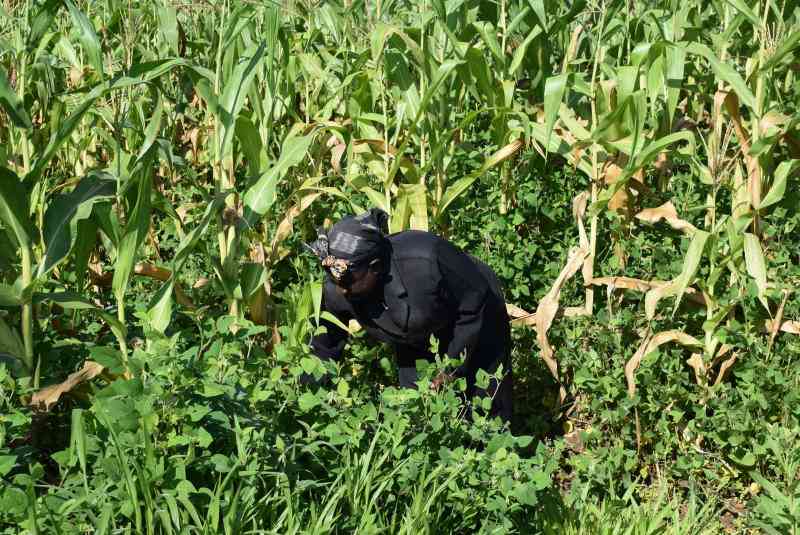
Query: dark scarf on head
{"points": [[354, 240]]}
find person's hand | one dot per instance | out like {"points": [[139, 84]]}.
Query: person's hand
{"points": [[439, 380]]}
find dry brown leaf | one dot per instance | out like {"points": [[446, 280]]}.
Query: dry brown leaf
{"points": [[731, 103], [285, 227], [699, 367], [336, 157], [520, 316], [627, 283], [49, 395], [548, 307], [776, 323], [578, 212], [668, 213], [723, 369], [650, 344], [787, 326]]}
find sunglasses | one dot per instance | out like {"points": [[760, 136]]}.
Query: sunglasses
{"points": [[343, 272]]}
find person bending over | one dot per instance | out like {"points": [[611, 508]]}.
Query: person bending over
{"points": [[404, 287]]}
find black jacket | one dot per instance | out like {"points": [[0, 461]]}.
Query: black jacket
{"points": [[431, 288]]}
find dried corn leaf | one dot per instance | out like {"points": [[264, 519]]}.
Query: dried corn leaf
{"points": [[668, 213], [723, 369], [787, 326], [650, 344], [520, 316], [49, 395], [699, 367], [627, 283], [548, 307], [285, 227], [776, 323]]}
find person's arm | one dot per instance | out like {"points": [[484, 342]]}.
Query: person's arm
{"points": [[467, 291]]}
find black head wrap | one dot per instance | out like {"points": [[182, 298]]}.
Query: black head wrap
{"points": [[352, 241]]}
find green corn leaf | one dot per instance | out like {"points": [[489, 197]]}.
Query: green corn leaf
{"points": [[727, 73], [778, 188], [88, 37], [250, 141], [690, 264], [261, 195], [746, 11], [14, 207], [554, 89], [159, 310], [168, 26], [153, 128], [42, 21], [73, 301], [756, 266], [522, 49], [132, 238], [12, 104], [85, 241], [63, 215], [674, 72], [488, 33], [234, 94]]}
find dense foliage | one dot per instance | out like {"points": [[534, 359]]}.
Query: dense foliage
{"points": [[629, 169]]}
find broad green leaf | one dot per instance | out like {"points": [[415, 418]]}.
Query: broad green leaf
{"points": [[14, 207], [756, 266], [376, 198], [307, 401], [260, 196], [12, 104], [778, 188], [88, 37], [63, 215], [727, 73], [554, 89], [85, 241]]}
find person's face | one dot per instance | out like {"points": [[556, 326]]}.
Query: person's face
{"points": [[358, 283]]}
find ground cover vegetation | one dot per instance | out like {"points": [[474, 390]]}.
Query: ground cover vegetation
{"points": [[629, 169]]}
